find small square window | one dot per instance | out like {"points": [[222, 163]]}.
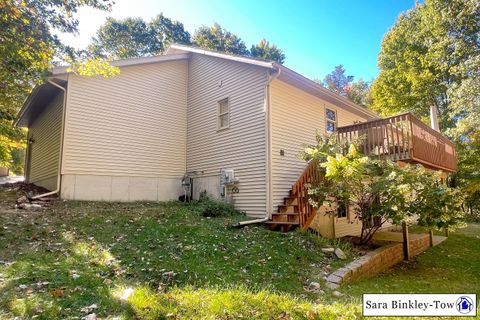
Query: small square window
{"points": [[331, 117], [223, 114]]}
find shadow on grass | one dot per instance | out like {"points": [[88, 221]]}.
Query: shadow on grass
{"points": [[58, 262]]}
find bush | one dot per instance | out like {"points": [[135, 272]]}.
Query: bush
{"points": [[380, 190], [213, 208]]}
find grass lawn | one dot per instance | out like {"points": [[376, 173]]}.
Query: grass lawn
{"points": [[57, 262], [451, 267], [164, 260]]}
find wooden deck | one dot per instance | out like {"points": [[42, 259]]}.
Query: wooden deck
{"points": [[403, 138]]}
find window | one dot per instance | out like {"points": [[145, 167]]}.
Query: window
{"points": [[342, 209], [223, 114], [331, 117]]}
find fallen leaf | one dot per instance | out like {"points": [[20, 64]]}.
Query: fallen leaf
{"points": [[57, 293]]}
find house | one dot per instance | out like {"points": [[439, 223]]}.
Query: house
{"points": [[186, 122]]}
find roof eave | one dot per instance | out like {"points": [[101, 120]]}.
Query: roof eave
{"points": [[178, 47]]}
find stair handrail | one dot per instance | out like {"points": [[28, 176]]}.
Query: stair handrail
{"points": [[306, 212]]}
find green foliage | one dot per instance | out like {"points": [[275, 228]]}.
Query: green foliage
{"points": [[17, 161], [431, 56], [133, 37], [122, 39], [168, 31], [28, 45], [337, 81], [94, 67], [209, 207], [218, 39], [380, 190], [268, 52], [359, 92]]}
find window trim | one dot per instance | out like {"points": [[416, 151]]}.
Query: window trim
{"points": [[335, 123], [219, 115]]}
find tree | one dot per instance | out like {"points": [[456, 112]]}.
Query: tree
{"points": [[218, 39], [28, 45], [168, 31], [268, 52], [122, 39], [425, 56], [133, 37], [337, 81], [431, 56], [359, 92]]}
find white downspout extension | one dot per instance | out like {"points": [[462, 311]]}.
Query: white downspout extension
{"points": [[434, 118], [59, 177]]}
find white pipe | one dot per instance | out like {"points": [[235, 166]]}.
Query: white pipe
{"points": [[245, 223], [434, 118], [268, 142], [59, 177]]}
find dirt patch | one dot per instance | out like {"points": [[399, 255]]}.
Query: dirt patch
{"points": [[29, 189]]}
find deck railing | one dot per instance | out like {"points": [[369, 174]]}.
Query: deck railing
{"points": [[403, 138], [306, 211]]}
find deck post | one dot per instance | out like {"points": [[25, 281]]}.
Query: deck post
{"points": [[406, 242], [430, 232]]}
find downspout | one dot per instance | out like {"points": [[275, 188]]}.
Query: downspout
{"points": [[62, 129], [270, 78], [269, 139]]}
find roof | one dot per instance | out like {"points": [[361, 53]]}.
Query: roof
{"points": [[37, 101], [285, 74], [129, 62], [43, 94]]}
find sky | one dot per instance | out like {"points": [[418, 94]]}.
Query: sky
{"points": [[315, 35]]}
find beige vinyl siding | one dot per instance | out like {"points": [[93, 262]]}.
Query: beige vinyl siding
{"points": [[242, 146], [348, 226], [295, 117], [45, 150], [129, 125]]}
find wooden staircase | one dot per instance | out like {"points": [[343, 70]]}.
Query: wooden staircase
{"points": [[296, 211]]}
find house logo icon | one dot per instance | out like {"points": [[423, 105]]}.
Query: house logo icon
{"points": [[464, 305]]}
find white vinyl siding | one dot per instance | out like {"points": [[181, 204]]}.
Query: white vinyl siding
{"points": [[295, 118], [129, 125], [243, 146], [45, 150]]}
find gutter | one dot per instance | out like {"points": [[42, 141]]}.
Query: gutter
{"points": [[59, 177]]}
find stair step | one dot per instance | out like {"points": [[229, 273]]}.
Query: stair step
{"points": [[285, 209], [284, 223], [285, 214], [290, 201]]}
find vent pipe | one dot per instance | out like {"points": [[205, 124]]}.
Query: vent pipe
{"points": [[434, 118]]}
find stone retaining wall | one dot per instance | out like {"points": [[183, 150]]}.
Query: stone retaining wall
{"points": [[376, 261]]}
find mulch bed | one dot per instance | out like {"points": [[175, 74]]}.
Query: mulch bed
{"points": [[28, 188]]}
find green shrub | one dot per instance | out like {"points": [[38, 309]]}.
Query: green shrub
{"points": [[213, 208]]}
